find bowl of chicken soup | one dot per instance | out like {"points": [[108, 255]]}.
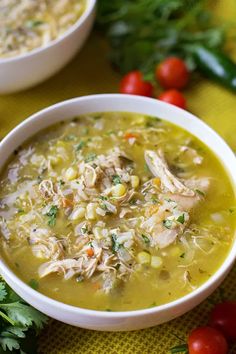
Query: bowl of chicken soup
{"points": [[118, 211], [38, 38]]}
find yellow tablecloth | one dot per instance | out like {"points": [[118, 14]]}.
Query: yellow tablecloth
{"points": [[90, 73]]}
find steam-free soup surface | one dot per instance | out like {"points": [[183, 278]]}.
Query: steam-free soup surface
{"points": [[115, 211]]}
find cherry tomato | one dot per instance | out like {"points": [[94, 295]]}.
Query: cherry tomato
{"points": [[207, 340], [223, 317], [172, 73], [173, 97], [133, 84]]}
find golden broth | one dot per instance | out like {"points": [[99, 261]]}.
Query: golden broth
{"points": [[38, 228]]}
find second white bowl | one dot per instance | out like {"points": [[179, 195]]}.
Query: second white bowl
{"points": [[24, 71]]}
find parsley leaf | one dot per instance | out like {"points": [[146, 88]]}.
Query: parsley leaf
{"points": [[90, 157], [145, 239], [200, 192], [115, 245], [116, 179], [167, 223], [3, 292], [80, 146], [181, 219], [52, 214], [34, 284]]}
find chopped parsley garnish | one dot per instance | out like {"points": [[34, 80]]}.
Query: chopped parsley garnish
{"points": [[181, 219], [84, 229], [70, 137], [34, 23], [90, 157], [200, 192], [20, 211], [167, 223], [80, 146], [182, 255], [103, 197], [231, 210], [52, 214], [34, 284], [133, 201], [61, 182], [115, 245], [116, 179], [145, 239], [154, 199]]}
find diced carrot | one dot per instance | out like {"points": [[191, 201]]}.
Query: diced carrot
{"points": [[156, 182], [96, 286], [66, 203], [128, 136], [90, 252]]}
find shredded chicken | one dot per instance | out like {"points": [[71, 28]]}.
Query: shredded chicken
{"points": [[159, 168]]}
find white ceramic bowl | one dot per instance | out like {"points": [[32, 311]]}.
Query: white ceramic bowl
{"points": [[26, 70], [130, 320]]}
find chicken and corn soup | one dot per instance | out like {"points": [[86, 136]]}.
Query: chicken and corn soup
{"points": [[115, 211], [29, 24]]}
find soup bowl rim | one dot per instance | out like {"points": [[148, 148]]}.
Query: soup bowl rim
{"points": [[118, 100]]}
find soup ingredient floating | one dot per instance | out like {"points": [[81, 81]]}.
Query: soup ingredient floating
{"points": [[29, 24], [19, 322], [115, 211]]}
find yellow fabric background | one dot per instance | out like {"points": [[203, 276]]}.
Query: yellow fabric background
{"points": [[90, 73]]}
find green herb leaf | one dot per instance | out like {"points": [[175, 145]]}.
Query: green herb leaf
{"points": [[181, 219], [168, 223], [90, 157], [70, 137], [3, 291], [145, 239], [116, 179], [52, 214], [34, 23], [34, 284], [182, 255], [80, 146], [200, 192], [19, 322], [182, 348], [115, 245]]}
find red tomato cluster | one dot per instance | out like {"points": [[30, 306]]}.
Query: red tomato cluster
{"points": [[172, 74], [212, 339]]}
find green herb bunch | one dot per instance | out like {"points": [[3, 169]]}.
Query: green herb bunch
{"points": [[20, 323], [142, 33]]}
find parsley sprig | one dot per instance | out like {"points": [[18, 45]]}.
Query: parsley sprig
{"points": [[19, 323]]}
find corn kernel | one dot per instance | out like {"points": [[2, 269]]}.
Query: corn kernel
{"points": [[77, 213], [91, 211], [156, 182], [144, 258], [134, 180], [118, 190], [156, 262], [70, 174]]}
